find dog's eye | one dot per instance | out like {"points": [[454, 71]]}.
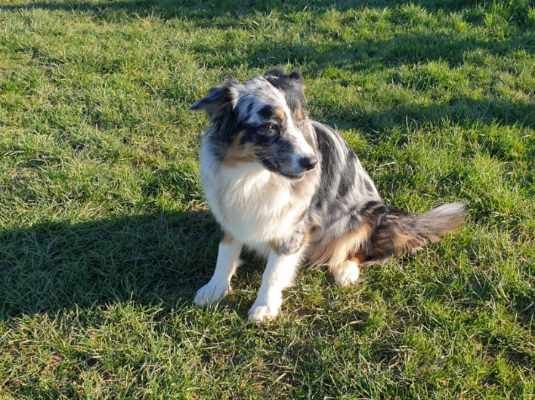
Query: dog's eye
{"points": [[269, 126]]}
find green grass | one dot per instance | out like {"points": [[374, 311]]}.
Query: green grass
{"points": [[104, 234]]}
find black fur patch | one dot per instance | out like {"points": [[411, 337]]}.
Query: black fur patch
{"points": [[291, 244], [218, 101], [348, 174], [266, 112], [329, 163], [227, 127]]}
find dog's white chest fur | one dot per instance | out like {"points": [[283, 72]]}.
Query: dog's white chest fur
{"points": [[249, 202]]}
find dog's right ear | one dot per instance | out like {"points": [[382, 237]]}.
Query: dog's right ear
{"points": [[219, 99]]}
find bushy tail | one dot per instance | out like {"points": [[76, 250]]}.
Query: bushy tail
{"points": [[396, 233]]}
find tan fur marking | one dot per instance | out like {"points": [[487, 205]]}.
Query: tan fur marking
{"points": [[359, 258], [405, 241], [239, 153], [279, 114], [343, 248], [299, 114]]}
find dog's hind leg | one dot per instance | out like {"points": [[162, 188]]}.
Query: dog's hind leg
{"points": [[228, 259], [346, 273]]}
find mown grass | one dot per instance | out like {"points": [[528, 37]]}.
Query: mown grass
{"points": [[104, 235]]}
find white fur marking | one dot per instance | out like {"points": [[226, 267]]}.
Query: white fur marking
{"points": [[219, 285], [346, 274], [279, 275], [246, 199]]}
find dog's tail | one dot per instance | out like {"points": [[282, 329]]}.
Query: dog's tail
{"points": [[395, 232]]}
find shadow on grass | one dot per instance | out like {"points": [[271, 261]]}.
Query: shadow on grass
{"points": [[206, 10], [160, 258], [313, 58], [463, 111], [174, 8], [363, 55], [190, 9], [150, 258]]}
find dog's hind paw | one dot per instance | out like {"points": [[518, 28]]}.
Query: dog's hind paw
{"points": [[211, 293], [347, 274]]}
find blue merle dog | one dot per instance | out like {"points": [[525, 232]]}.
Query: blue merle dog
{"points": [[291, 189]]}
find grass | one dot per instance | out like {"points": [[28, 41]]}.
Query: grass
{"points": [[104, 234]]}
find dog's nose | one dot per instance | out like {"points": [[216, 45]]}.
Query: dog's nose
{"points": [[308, 163]]}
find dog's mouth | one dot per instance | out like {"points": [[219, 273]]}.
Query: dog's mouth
{"points": [[293, 177], [296, 176]]}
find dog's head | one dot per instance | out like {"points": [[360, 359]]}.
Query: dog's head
{"points": [[262, 120]]}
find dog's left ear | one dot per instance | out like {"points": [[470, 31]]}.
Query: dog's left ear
{"points": [[220, 99], [292, 86]]}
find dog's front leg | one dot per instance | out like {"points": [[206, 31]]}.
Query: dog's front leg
{"points": [[279, 274], [228, 258]]}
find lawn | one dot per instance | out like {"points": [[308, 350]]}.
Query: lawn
{"points": [[105, 236]]}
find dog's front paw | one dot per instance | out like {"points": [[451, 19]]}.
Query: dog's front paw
{"points": [[260, 313], [211, 293]]}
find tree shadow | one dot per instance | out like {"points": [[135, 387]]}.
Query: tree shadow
{"points": [[160, 258]]}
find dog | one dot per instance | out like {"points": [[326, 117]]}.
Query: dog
{"points": [[290, 188]]}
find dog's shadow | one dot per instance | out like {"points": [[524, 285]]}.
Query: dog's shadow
{"points": [[150, 259]]}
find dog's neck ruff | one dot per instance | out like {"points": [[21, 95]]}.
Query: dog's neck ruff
{"points": [[251, 203]]}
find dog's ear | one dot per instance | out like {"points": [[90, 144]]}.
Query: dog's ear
{"points": [[292, 86], [292, 81], [220, 99]]}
